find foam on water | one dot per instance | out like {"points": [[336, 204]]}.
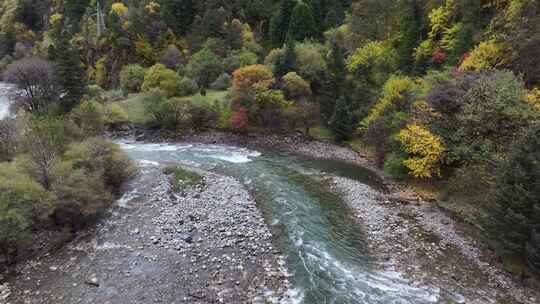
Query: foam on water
{"points": [[124, 201], [174, 151], [148, 163], [4, 102]]}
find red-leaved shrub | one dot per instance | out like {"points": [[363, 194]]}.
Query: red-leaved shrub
{"points": [[439, 57], [240, 119], [463, 58]]}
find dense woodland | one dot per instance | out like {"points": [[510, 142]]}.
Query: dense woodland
{"points": [[443, 93]]}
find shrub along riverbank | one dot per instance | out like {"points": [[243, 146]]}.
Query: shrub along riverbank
{"points": [[53, 177]]}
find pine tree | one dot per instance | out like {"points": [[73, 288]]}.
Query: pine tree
{"points": [[73, 12], [302, 24], [279, 24], [69, 71], [178, 14], [286, 63], [334, 16], [342, 122], [318, 9], [517, 211], [410, 35], [335, 82]]}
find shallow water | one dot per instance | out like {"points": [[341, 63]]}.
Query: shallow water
{"points": [[326, 251], [4, 102]]}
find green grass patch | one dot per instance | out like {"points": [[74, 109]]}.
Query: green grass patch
{"points": [[182, 179], [320, 132], [209, 98], [357, 145], [134, 105], [134, 108]]}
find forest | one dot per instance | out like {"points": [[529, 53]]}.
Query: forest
{"points": [[444, 95]]}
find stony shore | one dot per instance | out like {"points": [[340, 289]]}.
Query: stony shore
{"points": [[406, 233], [422, 242], [208, 244]]}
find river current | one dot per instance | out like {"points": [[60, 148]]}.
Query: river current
{"points": [[4, 102], [326, 250]]}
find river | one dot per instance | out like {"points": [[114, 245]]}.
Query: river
{"points": [[4, 102], [325, 249]]}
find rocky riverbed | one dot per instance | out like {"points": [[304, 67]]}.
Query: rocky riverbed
{"points": [[406, 233], [419, 240], [208, 244]]}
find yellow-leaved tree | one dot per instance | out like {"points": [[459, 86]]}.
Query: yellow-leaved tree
{"points": [[533, 98], [486, 56], [425, 149], [396, 91]]}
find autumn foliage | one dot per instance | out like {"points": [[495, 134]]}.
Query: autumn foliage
{"points": [[240, 120], [426, 151]]}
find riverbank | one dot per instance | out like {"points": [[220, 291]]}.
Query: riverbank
{"points": [[209, 244], [419, 240], [406, 233]]}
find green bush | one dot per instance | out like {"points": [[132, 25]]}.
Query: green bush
{"points": [[493, 112], [187, 86], [23, 202], [76, 205], [239, 59], [223, 82], [176, 114], [202, 116], [113, 95], [225, 118], [158, 76], [90, 117], [132, 78], [393, 166], [181, 179], [95, 92], [204, 66], [8, 139], [115, 115], [155, 105], [98, 156]]}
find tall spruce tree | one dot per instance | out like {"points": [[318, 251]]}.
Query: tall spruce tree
{"points": [[302, 24], [286, 63], [73, 12], [279, 24], [517, 211], [178, 14], [318, 10], [410, 35], [333, 85], [335, 14], [342, 122], [69, 72]]}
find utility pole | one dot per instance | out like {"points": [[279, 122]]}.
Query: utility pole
{"points": [[100, 21]]}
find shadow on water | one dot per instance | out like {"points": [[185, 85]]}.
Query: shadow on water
{"points": [[331, 166]]}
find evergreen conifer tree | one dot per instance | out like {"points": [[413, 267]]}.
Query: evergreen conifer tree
{"points": [[302, 24], [517, 209], [279, 24], [342, 122], [69, 73], [286, 63], [178, 14]]}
